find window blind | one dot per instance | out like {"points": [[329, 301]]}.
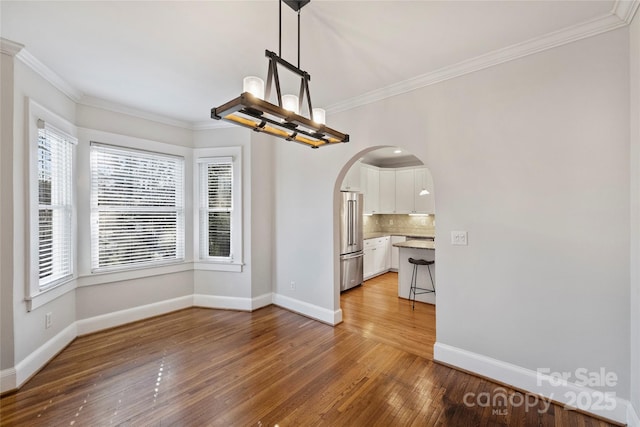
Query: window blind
{"points": [[137, 207], [55, 205], [216, 207]]}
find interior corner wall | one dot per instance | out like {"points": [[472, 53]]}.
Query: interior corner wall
{"points": [[6, 212], [29, 327], [531, 157], [261, 226], [634, 54]]}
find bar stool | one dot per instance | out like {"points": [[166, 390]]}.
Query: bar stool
{"points": [[414, 288]]}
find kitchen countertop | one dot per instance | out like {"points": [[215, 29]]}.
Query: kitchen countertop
{"points": [[377, 234], [416, 244]]}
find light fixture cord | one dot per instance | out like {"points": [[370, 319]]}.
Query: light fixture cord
{"points": [[298, 38], [280, 30]]}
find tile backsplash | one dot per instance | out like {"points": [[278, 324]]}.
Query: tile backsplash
{"points": [[389, 223]]}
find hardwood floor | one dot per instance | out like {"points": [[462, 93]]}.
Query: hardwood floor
{"points": [[374, 311], [271, 367]]}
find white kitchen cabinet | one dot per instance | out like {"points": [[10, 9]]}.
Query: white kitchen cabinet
{"points": [[368, 262], [352, 179], [396, 191], [387, 191], [423, 180], [377, 256], [404, 191], [382, 256], [395, 262], [370, 186]]}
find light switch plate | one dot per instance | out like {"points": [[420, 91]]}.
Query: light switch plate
{"points": [[459, 238]]}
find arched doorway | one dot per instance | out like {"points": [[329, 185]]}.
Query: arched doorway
{"points": [[398, 206]]}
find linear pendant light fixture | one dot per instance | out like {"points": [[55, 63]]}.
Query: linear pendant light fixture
{"points": [[253, 110]]}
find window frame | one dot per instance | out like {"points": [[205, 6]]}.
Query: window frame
{"points": [[203, 261], [37, 294], [181, 223]]}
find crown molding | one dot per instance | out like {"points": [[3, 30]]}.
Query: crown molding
{"points": [[9, 47], [49, 75], [114, 107], [602, 24], [625, 9]]}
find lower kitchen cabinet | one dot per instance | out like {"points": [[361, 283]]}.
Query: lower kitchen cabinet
{"points": [[395, 251], [367, 263], [377, 256]]}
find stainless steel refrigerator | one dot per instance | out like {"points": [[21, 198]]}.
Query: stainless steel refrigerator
{"points": [[351, 241]]}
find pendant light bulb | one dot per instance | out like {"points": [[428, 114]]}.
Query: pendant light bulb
{"points": [[319, 116], [424, 191], [290, 102], [254, 85]]}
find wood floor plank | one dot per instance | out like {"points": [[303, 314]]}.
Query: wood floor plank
{"points": [[202, 367]]}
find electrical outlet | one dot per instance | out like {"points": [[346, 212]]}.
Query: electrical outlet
{"points": [[390, 222], [47, 320], [459, 238], [293, 285]]}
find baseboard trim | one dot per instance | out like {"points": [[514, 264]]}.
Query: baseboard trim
{"points": [[117, 318], [8, 380], [633, 420], [225, 303], [309, 310], [232, 303], [37, 360], [261, 301], [531, 381]]}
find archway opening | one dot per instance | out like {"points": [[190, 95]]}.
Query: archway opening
{"points": [[397, 221]]}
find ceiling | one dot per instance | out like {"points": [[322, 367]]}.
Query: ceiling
{"points": [[390, 157], [177, 60]]}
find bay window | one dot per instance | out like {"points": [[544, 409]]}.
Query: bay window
{"points": [[137, 208]]}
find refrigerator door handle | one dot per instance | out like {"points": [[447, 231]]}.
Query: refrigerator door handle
{"points": [[355, 220], [350, 256], [350, 223]]}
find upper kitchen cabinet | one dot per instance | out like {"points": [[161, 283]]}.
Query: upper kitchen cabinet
{"points": [[352, 180], [387, 190], [423, 181], [405, 185], [392, 180], [409, 185], [370, 187]]}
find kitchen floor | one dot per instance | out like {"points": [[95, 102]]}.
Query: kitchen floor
{"points": [[374, 311]]}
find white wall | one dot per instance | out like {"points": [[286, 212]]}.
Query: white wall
{"points": [[112, 297], [109, 121], [304, 231], [635, 211], [6, 211], [261, 217], [531, 158]]}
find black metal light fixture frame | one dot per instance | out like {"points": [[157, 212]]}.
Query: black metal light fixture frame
{"points": [[262, 116]]}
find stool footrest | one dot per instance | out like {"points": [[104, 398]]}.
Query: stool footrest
{"points": [[423, 291], [414, 276]]}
